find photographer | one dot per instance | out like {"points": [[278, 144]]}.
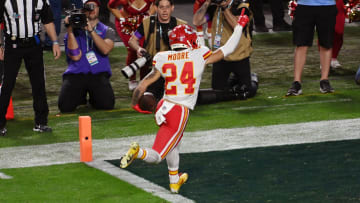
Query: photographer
{"points": [[87, 45], [154, 30], [223, 14]]}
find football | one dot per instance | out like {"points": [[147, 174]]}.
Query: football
{"points": [[147, 102]]}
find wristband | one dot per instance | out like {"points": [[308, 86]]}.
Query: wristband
{"points": [[74, 52], [55, 42]]}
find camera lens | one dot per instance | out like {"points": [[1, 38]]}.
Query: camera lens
{"points": [[89, 7]]}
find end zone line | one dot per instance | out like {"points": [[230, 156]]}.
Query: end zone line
{"points": [[137, 181], [192, 142], [293, 104]]}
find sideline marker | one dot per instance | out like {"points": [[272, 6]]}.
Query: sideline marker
{"points": [[10, 111], [85, 138]]}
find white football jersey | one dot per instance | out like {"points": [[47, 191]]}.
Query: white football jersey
{"points": [[182, 71]]}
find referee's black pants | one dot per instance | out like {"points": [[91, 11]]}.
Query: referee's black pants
{"points": [[33, 58]]}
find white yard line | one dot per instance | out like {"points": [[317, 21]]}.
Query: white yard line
{"points": [[138, 181], [203, 141], [293, 104]]}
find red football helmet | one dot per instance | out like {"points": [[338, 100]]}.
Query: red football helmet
{"points": [[183, 36]]}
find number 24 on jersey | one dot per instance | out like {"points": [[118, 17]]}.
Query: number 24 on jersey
{"points": [[186, 78]]}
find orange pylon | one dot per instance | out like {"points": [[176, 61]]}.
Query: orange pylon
{"points": [[10, 111], [85, 138]]}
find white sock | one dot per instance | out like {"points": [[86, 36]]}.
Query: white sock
{"points": [[173, 160], [173, 175], [142, 152], [150, 156]]}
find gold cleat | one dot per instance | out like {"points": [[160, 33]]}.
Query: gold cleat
{"points": [[130, 155], [175, 187]]}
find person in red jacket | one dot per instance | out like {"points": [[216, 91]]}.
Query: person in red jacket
{"points": [[339, 34], [127, 20]]}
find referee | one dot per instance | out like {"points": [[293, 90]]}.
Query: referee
{"points": [[21, 40]]}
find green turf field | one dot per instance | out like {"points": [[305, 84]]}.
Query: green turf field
{"points": [[322, 172], [68, 183]]}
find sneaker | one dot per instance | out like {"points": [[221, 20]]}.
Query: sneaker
{"points": [[3, 131], [175, 187], [42, 128], [335, 64], [240, 91], [261, 28], [325, 87], [130, 155], [295, 89], [254, 77], [133, 84]]}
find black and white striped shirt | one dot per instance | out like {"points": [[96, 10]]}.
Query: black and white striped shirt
{"points": [[22, 18]]}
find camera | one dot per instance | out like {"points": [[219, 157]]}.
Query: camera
{"points": [[78, 19], [131, 69]]}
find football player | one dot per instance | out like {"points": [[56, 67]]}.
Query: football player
{"points": [[182, 68]]}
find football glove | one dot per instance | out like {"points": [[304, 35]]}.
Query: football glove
{"points": [[243, 19], [138, 109]]}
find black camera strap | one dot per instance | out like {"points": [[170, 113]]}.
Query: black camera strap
{"points": [[151, 29]]}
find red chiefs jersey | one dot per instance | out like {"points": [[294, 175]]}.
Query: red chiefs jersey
{"points": [[129, 8]]}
